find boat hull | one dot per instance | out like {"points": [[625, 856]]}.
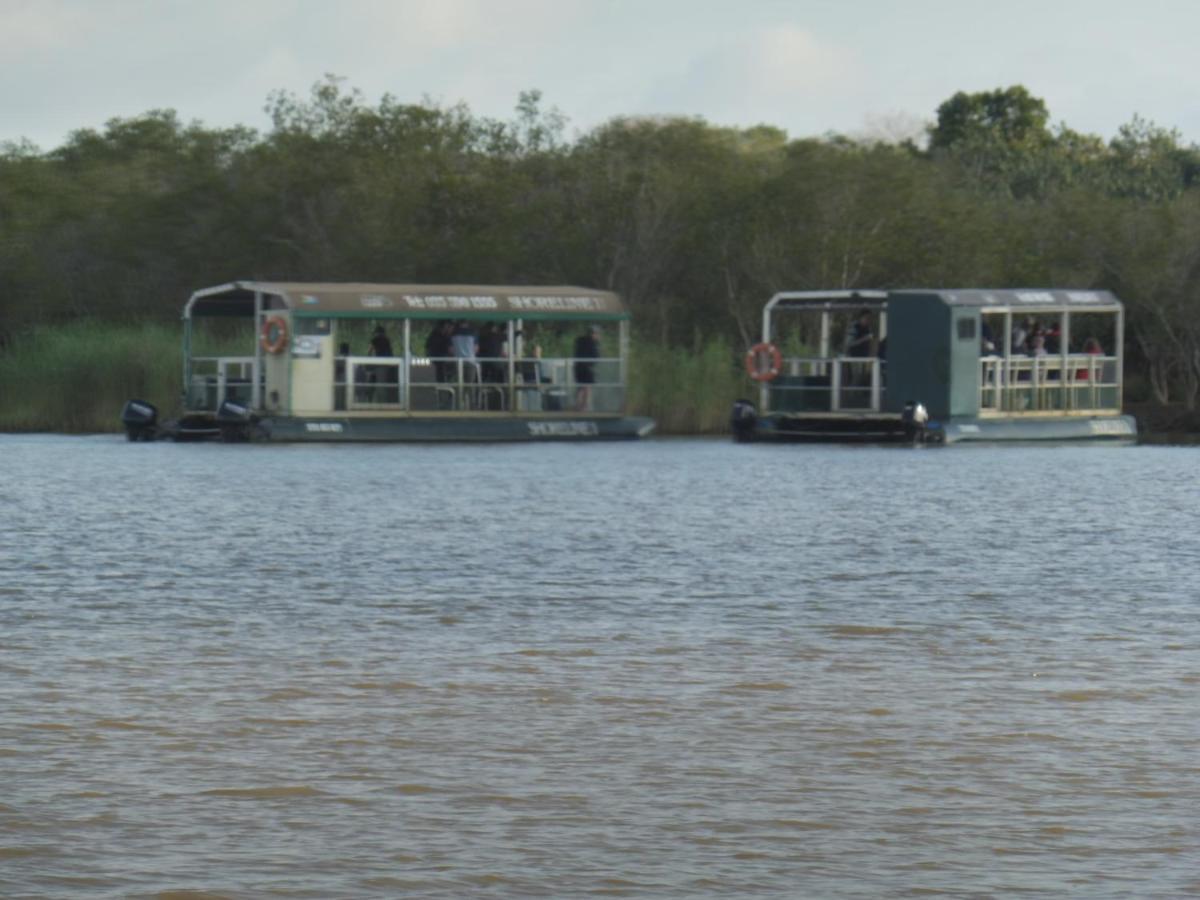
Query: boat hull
{"points": [[1092, 429], [786, 428], [422, 429]]}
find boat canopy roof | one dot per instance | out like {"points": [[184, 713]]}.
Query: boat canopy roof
{"points": [[407, 301], [1026, 299], [1031, 299]]}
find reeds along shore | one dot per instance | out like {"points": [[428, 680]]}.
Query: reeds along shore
{"points": [[75, 379]]}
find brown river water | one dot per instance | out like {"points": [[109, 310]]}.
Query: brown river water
{"points": [[675, 668]]}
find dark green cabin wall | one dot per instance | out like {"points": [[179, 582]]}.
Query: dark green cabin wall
{"points": [[918, 361]]}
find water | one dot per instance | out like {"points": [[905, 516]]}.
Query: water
{"points": [[666, 669]]}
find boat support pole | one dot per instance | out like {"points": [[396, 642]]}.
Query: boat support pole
{"points": [[256, 397]]}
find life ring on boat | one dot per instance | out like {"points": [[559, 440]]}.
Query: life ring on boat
{"points": [[274, 334], [754, 361]]}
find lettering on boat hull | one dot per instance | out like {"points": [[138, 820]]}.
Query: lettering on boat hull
{"points": [[563, 429], [323, 427]]}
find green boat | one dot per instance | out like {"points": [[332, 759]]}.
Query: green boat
{"points": [[938, 366], [332, 362]]}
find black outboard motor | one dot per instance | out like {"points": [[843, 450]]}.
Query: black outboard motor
{"points": [[743, 420], [914, 417], [234, 420], [140, 419]]}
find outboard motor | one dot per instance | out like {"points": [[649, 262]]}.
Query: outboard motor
{"points": [[140, 419], [234, 420], [914, 417], [743, 420]]}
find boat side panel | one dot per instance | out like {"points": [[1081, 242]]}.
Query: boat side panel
{"points": [[435, 429]]}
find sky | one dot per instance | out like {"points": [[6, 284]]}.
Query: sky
{"points": [[866, 68]]}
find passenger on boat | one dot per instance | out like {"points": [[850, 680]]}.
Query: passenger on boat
{"points": [[858, 345], [491, 350], [1020, 335], [587, 347], [465, 346], [1053, 338], [381, 346], [493, 369], [987, 343], [339, 375], [439, 348], [858, 341], [1091, 347], [530, 372]]}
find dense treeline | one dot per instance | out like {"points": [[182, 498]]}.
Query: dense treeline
{"points": [[696, 225]]}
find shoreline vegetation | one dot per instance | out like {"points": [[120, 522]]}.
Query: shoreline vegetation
{"points": [[695, 225], [76, 378]]}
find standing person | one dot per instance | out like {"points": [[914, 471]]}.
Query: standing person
{"points": [[587, 348], [439, 348], [494, 370], [465, 347], [858, 341], [858, 345], [381, 346], [491, 352]]}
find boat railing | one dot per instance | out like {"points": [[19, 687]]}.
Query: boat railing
{"points": [[1079, 382], [215, 379], [850, 384], [482, 384]]}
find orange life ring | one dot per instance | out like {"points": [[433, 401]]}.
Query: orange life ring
{"points": [[754, 360], [274, 334]]}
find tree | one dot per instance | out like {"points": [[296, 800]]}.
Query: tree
{"points": [[1011, 116]]}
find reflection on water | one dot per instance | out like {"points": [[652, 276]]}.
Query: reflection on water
{"points": [[674, 668]]}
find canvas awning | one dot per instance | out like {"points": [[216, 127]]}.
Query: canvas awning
{"points": [[408, 301]]}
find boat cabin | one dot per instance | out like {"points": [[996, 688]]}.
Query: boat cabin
{"points": [[398, 361]]}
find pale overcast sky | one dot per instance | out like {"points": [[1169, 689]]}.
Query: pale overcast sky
{"points": [[807, 66]]}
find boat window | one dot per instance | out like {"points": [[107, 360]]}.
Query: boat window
{"points": [[966, 329]]}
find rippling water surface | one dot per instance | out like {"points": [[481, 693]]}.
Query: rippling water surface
{"points": [[666, 669]]}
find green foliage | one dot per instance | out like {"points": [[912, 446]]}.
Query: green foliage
{"points": [[696, 225], [1011, 116]]}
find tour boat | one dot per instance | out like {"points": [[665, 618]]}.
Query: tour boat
{"points": [[938, 366], [275, 361]]}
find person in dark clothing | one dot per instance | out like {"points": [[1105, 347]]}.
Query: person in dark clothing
{"points": [[491, 351], [587, 348], [381, 346], [858, 342], [439, 348]]}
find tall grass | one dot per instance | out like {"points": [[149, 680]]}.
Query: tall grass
{"points": [[76, 378], [686, 391]]}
